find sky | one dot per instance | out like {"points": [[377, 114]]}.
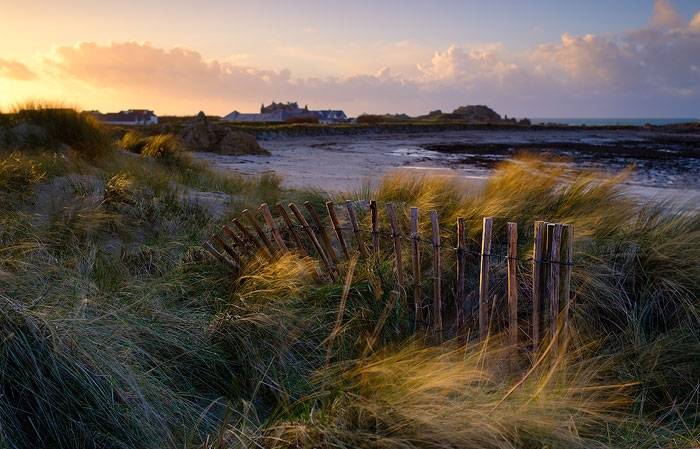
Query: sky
{"points": [[538, 58]]}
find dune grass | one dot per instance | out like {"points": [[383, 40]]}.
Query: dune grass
{"points": [[118, 330]]}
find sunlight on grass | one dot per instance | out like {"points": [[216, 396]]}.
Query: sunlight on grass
{"points": [[119, 330]]}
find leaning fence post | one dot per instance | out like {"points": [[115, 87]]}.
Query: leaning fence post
{"points": [[310, 232], [237, 240], [265, 209], [338, 231], [228, 249], [484, 278], [375, 228], [292, 230], [250, 237], [415, 247], [321, 231], [396, 235], [555, 230], [356, 229], [513, 282], [538, 283], [220, 257], [259, 231], [461, 266], [437, 276]]}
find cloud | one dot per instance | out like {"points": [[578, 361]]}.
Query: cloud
{"points": [[665, 16], [640, 70], [178, 72], [16, 71]]}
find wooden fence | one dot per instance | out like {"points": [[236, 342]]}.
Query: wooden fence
{"points": [[543, 279]]}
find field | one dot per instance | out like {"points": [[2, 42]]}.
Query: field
{"points": [[120, 331]]}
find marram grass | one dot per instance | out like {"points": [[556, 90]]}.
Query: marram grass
{"points": [[118, 330]]}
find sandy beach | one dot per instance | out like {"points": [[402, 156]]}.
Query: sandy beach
{"points": [[342, 163]]}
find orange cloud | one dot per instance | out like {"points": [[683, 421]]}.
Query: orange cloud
{"points": [[178, 71], [665, 16], [16, 71]]}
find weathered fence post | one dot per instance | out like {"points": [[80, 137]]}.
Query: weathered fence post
{"points": [[538, 283], [554, 232], [250, 237], [237, 240], [513, 282], [292, 230], [437, 276], [375, 228], [461, 267], [228, 249], [484, 278], [265, 209], [396, 235], [415, 252], [567, 243], [356, 229], [312, 236], [321, 230], [258, 230], [338, 230]]}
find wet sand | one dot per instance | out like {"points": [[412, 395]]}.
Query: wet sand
{"points": [[667, 165]]}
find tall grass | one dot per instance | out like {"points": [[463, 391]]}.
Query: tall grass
{"points": [[119, 331], [54, 127]]}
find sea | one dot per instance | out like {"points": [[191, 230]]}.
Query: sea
{"points": [[615, 121]]}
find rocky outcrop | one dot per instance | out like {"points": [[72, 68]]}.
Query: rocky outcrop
{"points": [[200, 134], [236, 143], [477, 114]]}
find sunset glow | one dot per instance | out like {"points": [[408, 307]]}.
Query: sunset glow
{"points": [[524, 59]]}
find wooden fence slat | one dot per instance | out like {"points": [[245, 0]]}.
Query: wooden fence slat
{"points": [[312, 236], [218, 256], [228, 249], [267, 215], [375, 228], [321, 230], [538, 283], [437, 276], [237, 240], [258, 230], [484, 278], [461, 267], [415, 253], [356, 229], [250, 237], [567, 252], [555, 231], [338, 230], [513, 282], [396, 235], [292, 229]]}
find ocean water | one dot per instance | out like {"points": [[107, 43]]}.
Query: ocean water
{"points": [[615, 121]]}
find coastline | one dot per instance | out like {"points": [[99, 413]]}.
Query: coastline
{"points": [[667, 163]]}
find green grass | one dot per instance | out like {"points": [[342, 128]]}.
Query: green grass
{"points": [[119, 330]]}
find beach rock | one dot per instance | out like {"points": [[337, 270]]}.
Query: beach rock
{"points": [[236, 143], [200, 134]]}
